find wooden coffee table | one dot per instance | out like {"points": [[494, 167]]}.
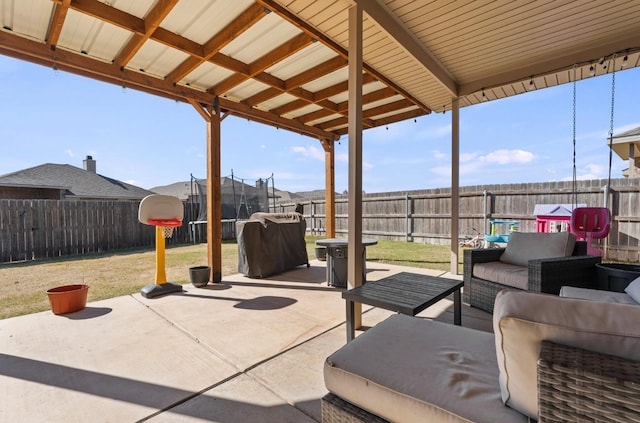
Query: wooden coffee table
{"points": [[406, 293]]}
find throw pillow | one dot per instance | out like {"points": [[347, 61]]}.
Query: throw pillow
{"points": [[633, 289], [525, 246]]}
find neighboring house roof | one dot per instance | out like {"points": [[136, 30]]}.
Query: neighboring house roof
{"points": [[629, 133], [182, 190], [76, 182]]}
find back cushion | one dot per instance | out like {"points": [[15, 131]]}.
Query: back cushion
{"points": [[523, 319], [525, 246]]}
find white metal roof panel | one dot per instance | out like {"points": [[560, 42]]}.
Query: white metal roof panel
{"points": [[200, 20], [29, 18], [299, 62], [269, 33], [157, 59], [206, 75], [366, 89], [328, 80], [278, 101], [247, 89], [93, 37], [302, 111], [138, 8]]}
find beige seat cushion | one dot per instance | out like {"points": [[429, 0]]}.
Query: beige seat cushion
{"points": [[509, 275], [596, 295], [525, 246], [407, 369], [523, 319]]}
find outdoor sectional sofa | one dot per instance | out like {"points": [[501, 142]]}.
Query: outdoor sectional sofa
{"points": [[531, 261], [551, 358]]}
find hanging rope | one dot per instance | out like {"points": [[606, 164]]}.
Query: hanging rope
{"points": [[574, 197], [613, 98]]}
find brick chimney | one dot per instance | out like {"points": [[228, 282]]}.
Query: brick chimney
{"points": [[89, 164]]}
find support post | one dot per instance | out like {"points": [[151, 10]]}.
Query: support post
{"points": [[330, 188], [455, 183], [355, 249], [214, 194]]}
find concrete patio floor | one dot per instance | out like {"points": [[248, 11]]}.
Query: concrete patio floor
{"points": [[244, 350]]}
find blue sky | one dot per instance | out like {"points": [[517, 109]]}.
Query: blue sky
{"points": [[54, 117]]}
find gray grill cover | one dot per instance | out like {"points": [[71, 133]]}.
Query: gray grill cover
{"points": [[271, 243]]}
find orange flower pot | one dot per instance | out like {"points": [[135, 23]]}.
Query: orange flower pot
{"points": [[68, 298]]}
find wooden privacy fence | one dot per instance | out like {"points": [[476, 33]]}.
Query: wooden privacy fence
{"points": [[425, 215], [34, 229]]}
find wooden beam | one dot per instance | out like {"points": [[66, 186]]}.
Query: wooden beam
{"points": [[319, 96], [153, 20], [57, 21], [295, 82], [274, 56], [316, 72], [109, 14], [284, 13], [212, 47], [329, 187], [369, 113], [35, 52], [411, 114], [199, 53], [214, 194]]}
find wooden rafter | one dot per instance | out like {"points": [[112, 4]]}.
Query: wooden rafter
{"points": [[411, 114], [258, 66], [297, 81], [374, 111], [212, 47], [32, 51], [153, 20], [173, 86], [381, 94], [210, 51], [315, 33], [57, 20]]}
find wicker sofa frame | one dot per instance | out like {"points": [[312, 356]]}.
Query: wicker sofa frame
{"points": [[573, 385], [545, 275]]}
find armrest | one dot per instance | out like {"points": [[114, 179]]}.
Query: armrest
{"points": [[550, 274], [579, 385]]}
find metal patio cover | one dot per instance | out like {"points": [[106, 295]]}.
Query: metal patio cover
{"points": [[284, 62]]}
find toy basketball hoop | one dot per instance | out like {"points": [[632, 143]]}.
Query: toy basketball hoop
{"points": [[165, 212], [167, 225]]}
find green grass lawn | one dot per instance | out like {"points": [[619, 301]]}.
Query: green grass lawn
{"points": [[126, 272]]}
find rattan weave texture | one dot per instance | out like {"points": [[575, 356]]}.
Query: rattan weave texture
{"points": [[580, 385], [545, 275], [337, 410]]}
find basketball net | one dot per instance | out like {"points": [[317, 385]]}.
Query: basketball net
{"points": [[167, 231]]}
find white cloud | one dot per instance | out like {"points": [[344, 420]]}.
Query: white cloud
{"points": [[591, 171], [263, 146], [69, 152], [468, 157], [439, 155], [504, 157], [311, 152]]}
